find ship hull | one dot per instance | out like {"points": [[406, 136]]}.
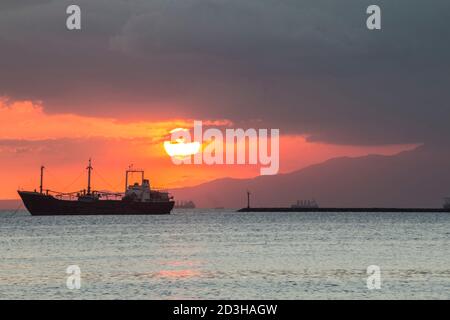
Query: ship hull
{"points": [[45, 205]]}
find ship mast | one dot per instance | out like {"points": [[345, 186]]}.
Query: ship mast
{"points": [[132, 170], [42, 179], [89, 168], [248, 199]]}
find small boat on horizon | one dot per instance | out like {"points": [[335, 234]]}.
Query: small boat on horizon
{"points": [[447, 203], [138, 199], [182, 204]]}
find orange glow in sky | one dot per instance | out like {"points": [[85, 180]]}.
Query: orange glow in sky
{"points": [[29, 138], [181, 148]]}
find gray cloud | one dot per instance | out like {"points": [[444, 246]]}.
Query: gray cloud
{"points": [[302, 66]]}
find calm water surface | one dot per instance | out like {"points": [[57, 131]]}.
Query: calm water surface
{"points": [[220, 254]]}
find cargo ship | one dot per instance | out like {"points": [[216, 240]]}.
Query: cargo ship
{"points": [[138, 199]]}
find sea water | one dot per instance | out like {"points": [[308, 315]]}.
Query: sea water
{"points": [[221, 254]]}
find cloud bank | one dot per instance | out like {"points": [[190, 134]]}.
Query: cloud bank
{"points": [[306, 67]]}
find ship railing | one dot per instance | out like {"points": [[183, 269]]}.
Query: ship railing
{"points": [[75, 194], [160, 189], [63, 195], [108, 194]]}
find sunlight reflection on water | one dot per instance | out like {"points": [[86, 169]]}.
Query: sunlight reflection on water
{"points": [[221, 254]]}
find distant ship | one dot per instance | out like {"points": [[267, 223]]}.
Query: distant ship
{"points": [[184, 204], [305, 204], [138, 199], [447, 203]]}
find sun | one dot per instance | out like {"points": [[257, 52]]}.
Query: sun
{"points": [[178, 147]]}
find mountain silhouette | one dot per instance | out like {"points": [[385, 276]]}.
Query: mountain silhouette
{"points": [[417, 178]]}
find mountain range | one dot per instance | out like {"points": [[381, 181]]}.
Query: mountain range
{"points": [[417, 178]]}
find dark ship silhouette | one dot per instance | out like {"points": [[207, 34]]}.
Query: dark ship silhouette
{"points": [[138, 199]]}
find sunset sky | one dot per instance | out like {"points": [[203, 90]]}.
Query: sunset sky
{"points": [[138, 69]]}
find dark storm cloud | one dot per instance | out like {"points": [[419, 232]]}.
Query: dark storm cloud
{"points": [[14, 4], [302, 66]]}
